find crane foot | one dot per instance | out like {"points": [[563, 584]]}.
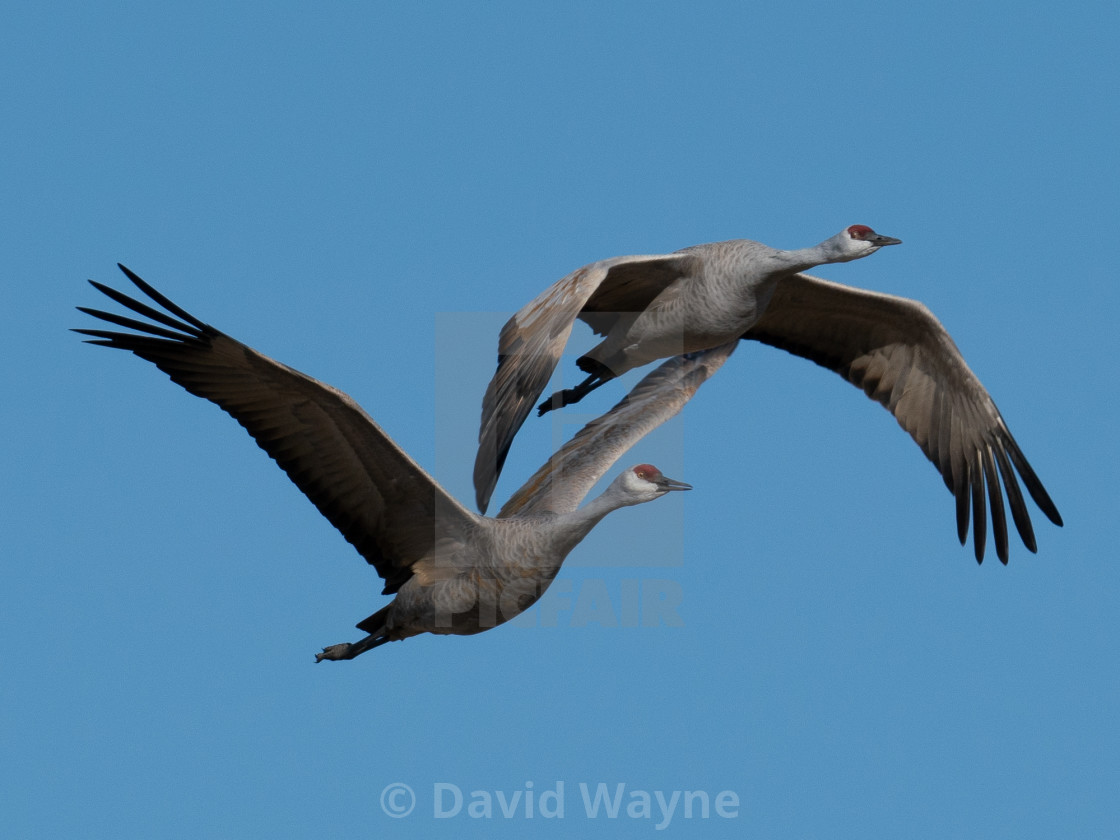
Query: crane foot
{"points": [[559, 400], [335, 652]]}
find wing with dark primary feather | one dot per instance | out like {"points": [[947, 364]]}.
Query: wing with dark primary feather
{"points": [[384, 504], [531, 342], [561, 484], [900, 354]]}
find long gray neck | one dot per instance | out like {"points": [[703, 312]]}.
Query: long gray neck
{"points": [[803, 259], [573, 527]]}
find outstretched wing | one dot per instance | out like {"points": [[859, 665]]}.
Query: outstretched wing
{"points": [[900, 354], [560, 485], [384, 504], [531, 342]]}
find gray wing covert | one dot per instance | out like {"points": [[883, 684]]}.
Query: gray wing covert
{"points": [[532, 341], [561, 484]]}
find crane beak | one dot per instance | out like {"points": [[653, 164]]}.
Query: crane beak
{"points": [[664, 483], [880, 240]]}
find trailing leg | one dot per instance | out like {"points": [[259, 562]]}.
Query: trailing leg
{"points": [[348, 650], [570, 395]]}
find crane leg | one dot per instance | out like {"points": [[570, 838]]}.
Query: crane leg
{"points": [[570, 395], [348, 650]]}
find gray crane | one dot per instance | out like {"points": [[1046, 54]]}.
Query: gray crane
{"points": [[452, 570], [652, 307]]}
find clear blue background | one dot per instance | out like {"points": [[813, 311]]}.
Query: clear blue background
{"points": [[364, 191]]}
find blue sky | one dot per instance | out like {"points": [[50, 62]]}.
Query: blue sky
{"points": [[365, 191]]}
